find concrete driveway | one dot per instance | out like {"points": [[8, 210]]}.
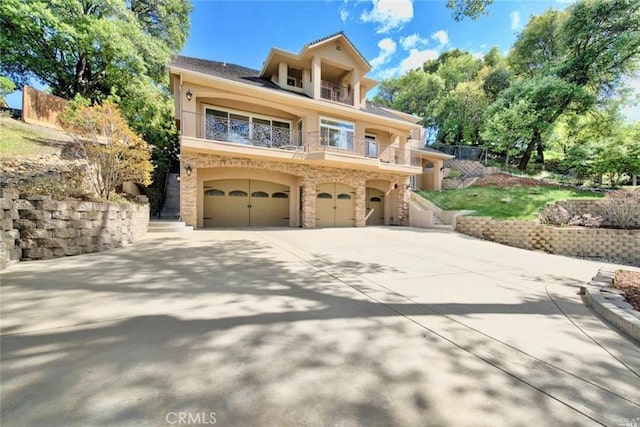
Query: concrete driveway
{"points": [[348, 327]]}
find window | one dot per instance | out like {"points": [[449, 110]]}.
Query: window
{"points": [[238, 193], [325, 196], [334, 133], [343, 197], [280, 195], [259, 194], [371, 146], [214, 193], [245, 128]]}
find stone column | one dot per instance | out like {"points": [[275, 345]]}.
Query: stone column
{"points": [[308, 204], [404, 195], [188, 193], [360, 204]]}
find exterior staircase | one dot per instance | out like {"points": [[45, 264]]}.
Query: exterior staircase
{"points": [[168, 226], [171, 208]]}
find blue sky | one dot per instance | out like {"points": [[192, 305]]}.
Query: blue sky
{"points": [[394, 35]]}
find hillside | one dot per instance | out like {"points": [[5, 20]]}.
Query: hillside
{"points": [[28, 150]]}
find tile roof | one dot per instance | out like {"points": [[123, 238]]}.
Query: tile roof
{"points": [[339, 33], [252, 77]]}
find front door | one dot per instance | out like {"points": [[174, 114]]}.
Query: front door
{"points": [[375, 206]]}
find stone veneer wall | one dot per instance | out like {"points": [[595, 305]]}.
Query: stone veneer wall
{"points": [[310, 175], [39, 228], [620, 246]]}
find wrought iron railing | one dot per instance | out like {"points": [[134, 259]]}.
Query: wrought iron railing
{"points": [[337, 93], [243, 132]]}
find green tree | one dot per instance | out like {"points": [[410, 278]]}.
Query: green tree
{"points": [[572, 59], [90, 47], [6, 87], [468, 8]]}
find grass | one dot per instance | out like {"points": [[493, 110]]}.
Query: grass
{"points": [[504, 203], [17, 139]]}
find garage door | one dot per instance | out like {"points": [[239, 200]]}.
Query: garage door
{"points": [[245, 203], [375, 207], [335, 205]]}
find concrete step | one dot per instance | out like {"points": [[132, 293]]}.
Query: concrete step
{"points": [[166, 226]]}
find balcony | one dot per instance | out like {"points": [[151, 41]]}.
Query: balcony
{"points": [[333, 92], [244, 137]]}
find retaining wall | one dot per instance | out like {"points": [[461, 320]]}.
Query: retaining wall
{"points": [[38, 227], [611, 245]]}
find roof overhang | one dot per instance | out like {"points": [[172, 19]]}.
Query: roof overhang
{"points": [[319, 105]]}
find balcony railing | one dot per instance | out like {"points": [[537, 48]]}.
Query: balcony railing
{"points": [[337, 93], [242, 132]]}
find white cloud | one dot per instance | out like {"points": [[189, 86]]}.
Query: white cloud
{"points": [[389, 14], [412, 41], [387, 48], [515, 20], [344, 14], [441, 36], [416, 58]]}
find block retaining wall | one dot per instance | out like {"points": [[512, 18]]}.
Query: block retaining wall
{"points": [[38, 227], [611, 245]]}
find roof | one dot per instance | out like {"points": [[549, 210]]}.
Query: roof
{"points": [[226, 71], [339, 33], [434, 151], [252, 77]]}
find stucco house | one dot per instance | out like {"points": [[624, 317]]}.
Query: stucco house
{"points": [[295, 144]]}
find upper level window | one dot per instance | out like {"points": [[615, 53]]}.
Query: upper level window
{"points": [[334, 133], [371, 146]]}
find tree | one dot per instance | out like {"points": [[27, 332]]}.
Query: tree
{"points": [[507, 128], [573, 58], [90, 47], [6, 87], [112, 151], [468, 8]]}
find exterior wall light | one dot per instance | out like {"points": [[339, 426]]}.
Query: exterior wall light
{"points": [[188, 169], [189, 95]]}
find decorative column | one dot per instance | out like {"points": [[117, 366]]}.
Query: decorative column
{"points": [[316, 76], [404, 195], [361, 204], [308, 204], [188, 192], [283, 73]]}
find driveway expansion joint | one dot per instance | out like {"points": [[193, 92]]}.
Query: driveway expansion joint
{"points": [[609, 303]]}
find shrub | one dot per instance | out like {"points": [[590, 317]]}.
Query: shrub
{"points": [[622, 208], [112, 151], [72, 186]]}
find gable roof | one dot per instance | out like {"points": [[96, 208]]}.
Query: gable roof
{"points": [[252, 77], [333, 36]]}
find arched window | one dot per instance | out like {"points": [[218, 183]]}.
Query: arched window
{"points": [[343, 197], [375, 199], [280, 195], [259, 194], [214, 193], [324, 196], [238, 193]]}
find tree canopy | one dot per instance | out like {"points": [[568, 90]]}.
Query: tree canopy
{"points": [[90, 47], [564, 63]]}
